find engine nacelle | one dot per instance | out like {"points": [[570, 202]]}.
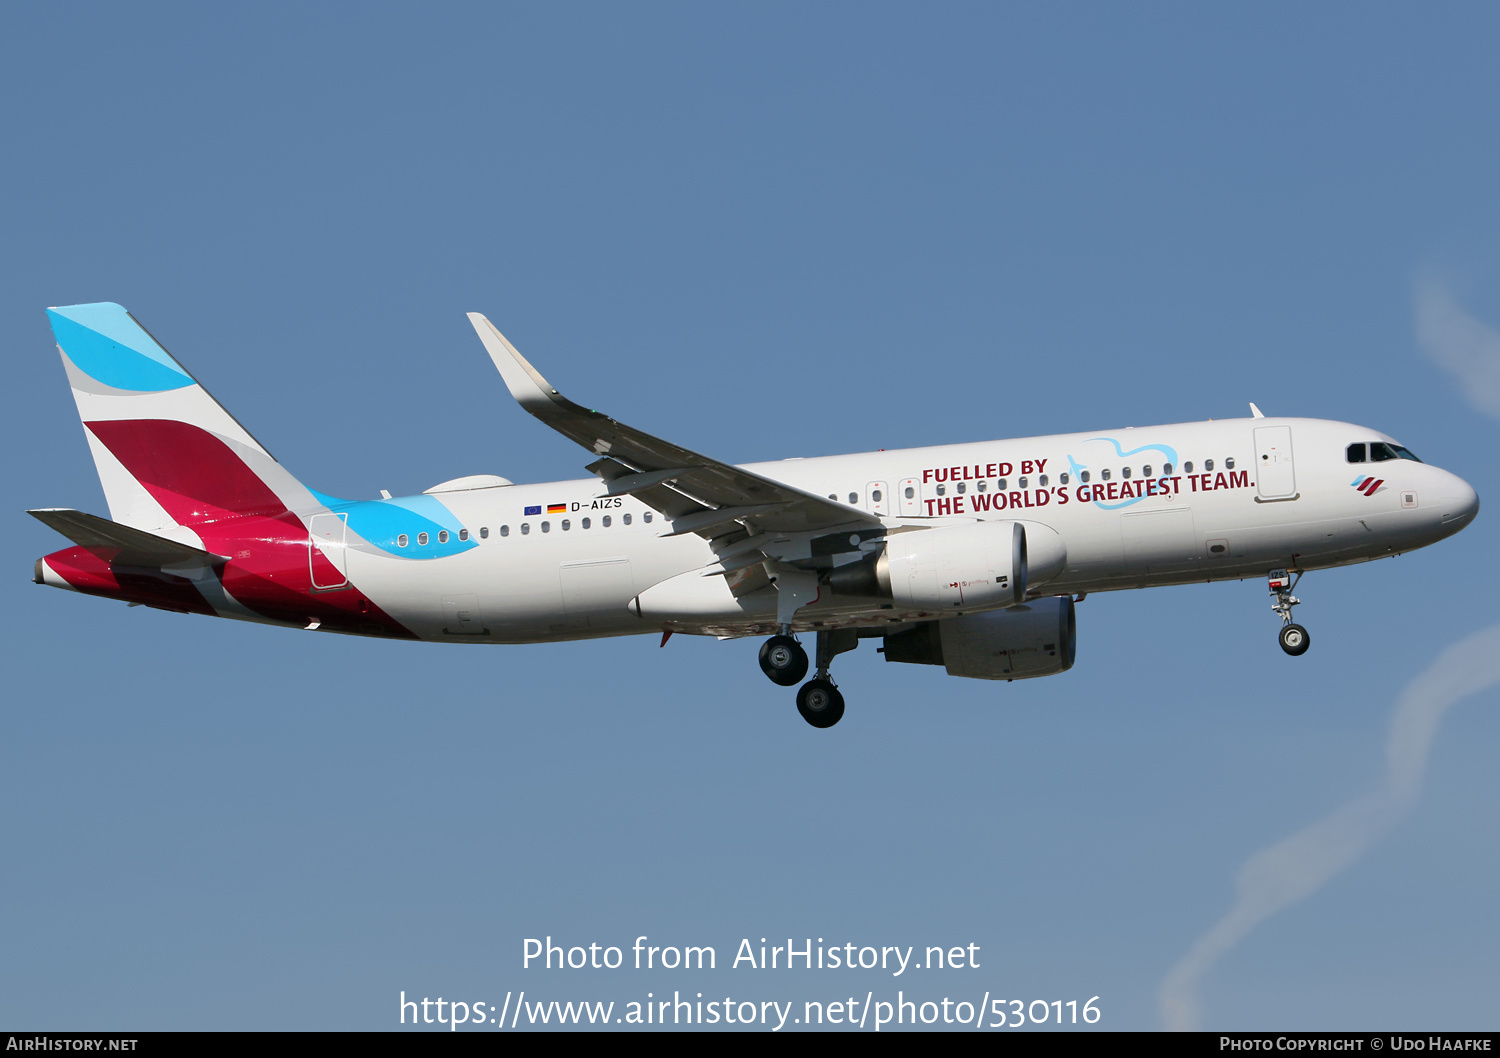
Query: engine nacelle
{"points": [[975, 566], [1037, 639], [979, 565]]}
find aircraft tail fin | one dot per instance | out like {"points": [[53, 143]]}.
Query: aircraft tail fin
{"points": [[167, 453]]}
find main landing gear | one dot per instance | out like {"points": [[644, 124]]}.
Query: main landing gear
{"points": [[785, 662], [1294, 638], [820, 703]]}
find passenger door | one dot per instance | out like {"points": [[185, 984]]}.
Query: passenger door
{"points": [[326, 541], [1275, 477]]}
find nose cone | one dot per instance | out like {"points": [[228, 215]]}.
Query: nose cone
{"points": [[1460, 503]]}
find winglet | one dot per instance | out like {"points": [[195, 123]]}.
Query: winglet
{"points": [[1254, 411], [524, 381]]}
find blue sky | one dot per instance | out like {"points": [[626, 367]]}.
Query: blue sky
{"points": [[760, 231]]}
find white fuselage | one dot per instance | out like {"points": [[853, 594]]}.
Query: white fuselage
{"points": [[1135, 508]]}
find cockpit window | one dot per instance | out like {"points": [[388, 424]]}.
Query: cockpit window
{"points": [[1380, 452], [1405, 453], [1355, 453]]}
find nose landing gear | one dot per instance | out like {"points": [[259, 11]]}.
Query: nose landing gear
{"points": [[1293, 638]]}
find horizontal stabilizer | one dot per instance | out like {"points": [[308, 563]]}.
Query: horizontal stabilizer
{"points": [[133, 547]]}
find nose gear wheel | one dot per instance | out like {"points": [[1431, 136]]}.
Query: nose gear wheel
{"points": [[1294, 639]]}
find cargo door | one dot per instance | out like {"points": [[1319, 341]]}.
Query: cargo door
{"points": [[595, 591], [1159, 541]]}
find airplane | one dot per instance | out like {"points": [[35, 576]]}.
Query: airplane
{"points": [[967, 556]]}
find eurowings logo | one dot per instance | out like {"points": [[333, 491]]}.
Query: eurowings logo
{"points": [[1369, 486]]}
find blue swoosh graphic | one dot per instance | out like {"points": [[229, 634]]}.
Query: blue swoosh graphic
{"points": [[1166, 450], [380, 522]]}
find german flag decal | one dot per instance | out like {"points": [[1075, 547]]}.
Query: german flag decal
{"points": [[557, 508]]}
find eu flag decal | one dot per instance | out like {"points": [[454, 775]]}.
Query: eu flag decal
{"points": [[534, 510]]}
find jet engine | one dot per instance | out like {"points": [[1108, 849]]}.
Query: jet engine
{"points": [[1039, 638], [974, 566]]}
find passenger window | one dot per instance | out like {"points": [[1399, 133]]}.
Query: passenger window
{"points": [[504, 531], [525, 528], [1083, 476], [853, 498], [647, 516], [1125, 473], [942, 490], [1104, 474], [1229, 463], [1146, 471], [442, 536], [1021, 483], [546, 527], [484, 531], [833, 496], [585, 523], [984, 486], [1042, 481], [1000, 485], [1166, 469], [1187, 468], [962, 487], [566, 524], [911, 493], [463, 534], [1208, 464], [1380, 452], [401, 540], [1062, 478], [421, 539], [875, 496], [605, 521]]}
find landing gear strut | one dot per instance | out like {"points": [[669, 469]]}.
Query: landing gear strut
{"points": [[1294, 638]]}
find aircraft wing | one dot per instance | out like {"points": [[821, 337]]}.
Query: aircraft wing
{"points": [[133, 547], [696, 493]]}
